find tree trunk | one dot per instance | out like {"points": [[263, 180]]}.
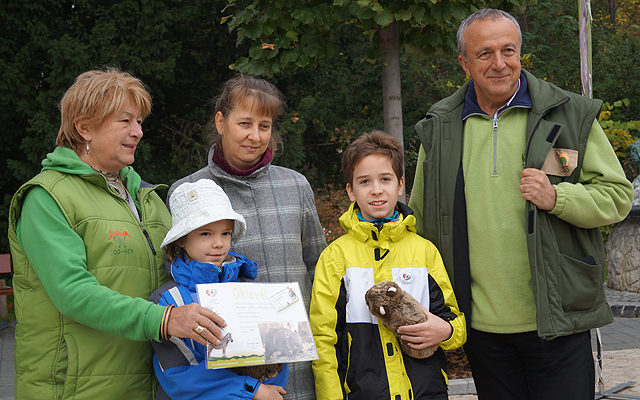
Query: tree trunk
{"points": [[613, 7], [524, 25], [391, 88]]}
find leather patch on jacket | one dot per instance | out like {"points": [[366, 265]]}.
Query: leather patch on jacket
{"points": [[560, 162]]}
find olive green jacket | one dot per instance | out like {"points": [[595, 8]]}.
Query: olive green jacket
{"points": [[566, 261]]}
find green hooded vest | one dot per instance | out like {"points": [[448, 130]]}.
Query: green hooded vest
{"points": [[58, 358]]}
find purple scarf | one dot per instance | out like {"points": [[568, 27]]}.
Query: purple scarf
{"points": [[220, 161]]}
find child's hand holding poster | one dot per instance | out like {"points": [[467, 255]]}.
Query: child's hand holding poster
{"points": [[266, 324]]}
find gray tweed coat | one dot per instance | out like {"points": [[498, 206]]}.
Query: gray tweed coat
{"points": [[283, 236]]}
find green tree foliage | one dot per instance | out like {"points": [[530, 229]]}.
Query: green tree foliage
{"points": [[616, 72], [617, 13], [550, 23], [177, 48], [341, 97], [183, 52], [550, 37], [289, 34], [621, 133]]}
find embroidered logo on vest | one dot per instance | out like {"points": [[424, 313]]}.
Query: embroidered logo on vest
{"points": [[564, 159], [119, 236]]}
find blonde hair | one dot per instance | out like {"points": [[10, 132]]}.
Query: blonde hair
{"points": [[94, 96]]}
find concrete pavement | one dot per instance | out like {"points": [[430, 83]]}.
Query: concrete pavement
{"points": [[6, 357], [620, 357], [620, 360], [620, 345]]}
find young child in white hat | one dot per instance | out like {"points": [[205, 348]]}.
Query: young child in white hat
{"points": [[197, 246]]}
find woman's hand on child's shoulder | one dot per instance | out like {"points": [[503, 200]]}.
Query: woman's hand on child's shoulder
{"points": [[269, 392], [433, 331]]}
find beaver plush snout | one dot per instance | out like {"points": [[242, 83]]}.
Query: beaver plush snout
{"points": [[395, 308]]}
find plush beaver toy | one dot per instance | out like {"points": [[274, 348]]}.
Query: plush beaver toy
{"points": [[260, 372], [394, 308]]}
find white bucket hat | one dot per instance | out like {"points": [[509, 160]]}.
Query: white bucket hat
{"points": [[194, 205]]}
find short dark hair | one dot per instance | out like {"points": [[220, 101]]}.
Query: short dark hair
{"points": [[374, 142]]}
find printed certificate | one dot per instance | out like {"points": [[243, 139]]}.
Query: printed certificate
{"points": [[266, 324]]}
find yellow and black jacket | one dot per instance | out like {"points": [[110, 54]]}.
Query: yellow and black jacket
{"points": [[359, 357]]}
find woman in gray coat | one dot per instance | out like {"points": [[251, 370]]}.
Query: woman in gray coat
{"points": [[284, 235]]}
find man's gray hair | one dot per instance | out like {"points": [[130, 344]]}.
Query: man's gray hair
{"points": [[482, 15]]}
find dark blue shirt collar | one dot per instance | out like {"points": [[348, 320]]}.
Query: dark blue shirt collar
{"points": [[394, 217], [521, 99]]}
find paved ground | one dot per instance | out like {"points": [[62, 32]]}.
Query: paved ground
{"points": [[620, 341], [6, 357], [620, 356], [620, 359]]}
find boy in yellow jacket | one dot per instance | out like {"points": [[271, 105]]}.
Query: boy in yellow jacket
{"points": [[359, 357]]}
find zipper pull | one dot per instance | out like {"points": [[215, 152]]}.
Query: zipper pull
{"points": [[146, 234]]}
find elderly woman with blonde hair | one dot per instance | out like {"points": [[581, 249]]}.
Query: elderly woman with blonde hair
{"points": [[85, 236]]}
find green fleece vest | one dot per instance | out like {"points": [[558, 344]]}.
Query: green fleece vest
{"points": [[57, 358], [567, 263]]}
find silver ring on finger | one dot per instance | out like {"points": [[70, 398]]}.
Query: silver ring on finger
{"points": [[199, 329]]}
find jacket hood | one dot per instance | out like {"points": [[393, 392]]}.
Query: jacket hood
{"points": [[66, 161], [191, 273], [368, 233]]}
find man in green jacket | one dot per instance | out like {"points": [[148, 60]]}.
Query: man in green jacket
{"points": [[514, 179]]}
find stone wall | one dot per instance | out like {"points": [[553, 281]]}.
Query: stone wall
{"points": [[623, 255]]}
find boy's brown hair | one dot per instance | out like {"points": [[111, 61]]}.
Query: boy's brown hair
{"points": [[374, 142]]}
